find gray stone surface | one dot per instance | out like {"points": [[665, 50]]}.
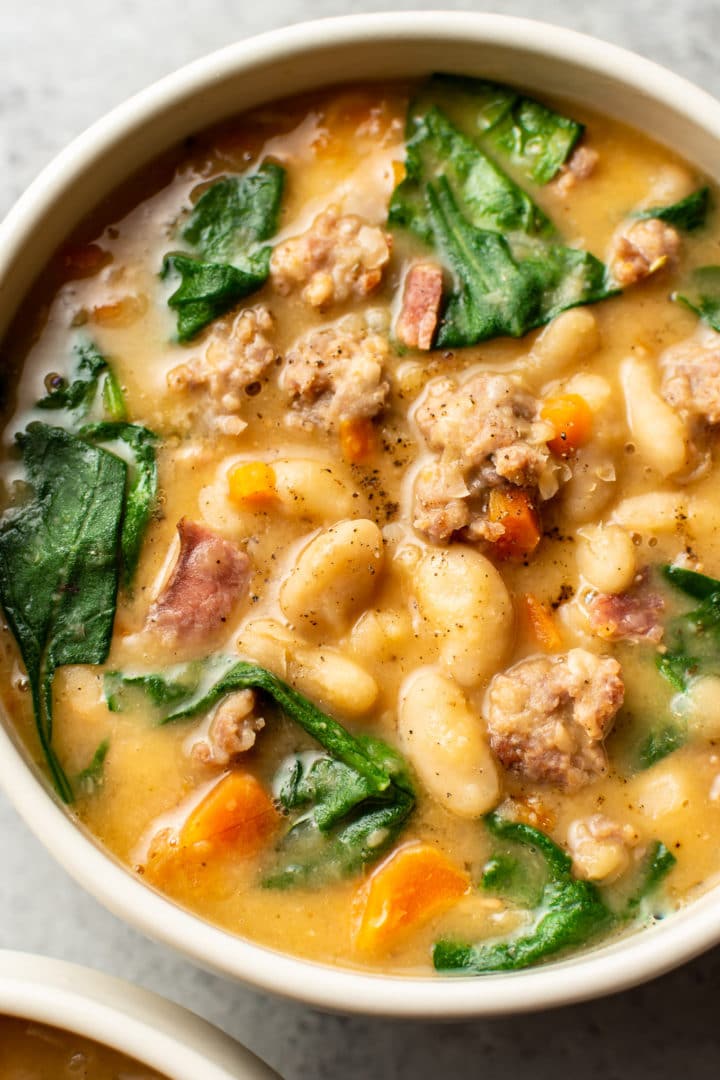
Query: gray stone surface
{"points": [[61, 66]]}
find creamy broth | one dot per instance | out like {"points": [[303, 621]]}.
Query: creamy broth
{"points": [[30, 1051], [352, 652]]}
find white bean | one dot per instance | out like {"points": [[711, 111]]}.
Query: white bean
{"points": [[571, 337], [592, 484], [446, 744], [653, 512], [658, 433], [331, 679], [606, 557], [700, 706], [334, 576], [466, 605], [381, 634], [311, 488]]}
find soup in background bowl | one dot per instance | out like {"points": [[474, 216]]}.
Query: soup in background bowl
{"points": [[60, 1020], [359, 530]]}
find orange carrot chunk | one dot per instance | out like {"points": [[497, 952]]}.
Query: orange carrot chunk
{"points": [[416, 882], [541, 623], [82, 260], [237, 811], [513, 509], [571, 417], [357, 440], [251, 484]]}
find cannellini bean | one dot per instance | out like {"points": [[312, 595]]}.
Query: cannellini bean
{"points": [[699, 706], [658, 433], [571, 337], [334, 576], [606, 557], [446, 744], [596, 390], [661, 791], [670, 184], [592, 484], [331, 679], [381, 634], [654, 512], [307, 487], [464, 601], [599, 848]]}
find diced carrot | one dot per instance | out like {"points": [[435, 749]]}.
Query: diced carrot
{"points": [[82, 260], [120, 313], [237, 811], [541, 623], [512, 508], [416, 882], [252, 484], [399, 172], [357, 440], [572, 419]]}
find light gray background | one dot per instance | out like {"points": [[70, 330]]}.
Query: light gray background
{"points": [[63, 64]]}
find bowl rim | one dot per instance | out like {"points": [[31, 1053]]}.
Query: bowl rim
{"points": [[137, 1022], [606, 969]]}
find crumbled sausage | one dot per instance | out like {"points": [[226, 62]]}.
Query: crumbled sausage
{"points": [[233, 730], [641, 249], [600, 847], [336, 374], [237, 355], [339, 258], [581, 165], [486, 434], [210, 578], [547, 717], [630, 616], [691, 379], [420, 311]]}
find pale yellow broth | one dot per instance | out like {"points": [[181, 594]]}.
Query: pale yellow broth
{"points": [[332, 155], [30, 1051]]}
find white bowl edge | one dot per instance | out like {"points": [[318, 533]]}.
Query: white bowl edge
{"points": [[152, 1030], [548, 58]]}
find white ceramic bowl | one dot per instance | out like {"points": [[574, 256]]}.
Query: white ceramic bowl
{"points": [[142, 1025], [542, 58]]}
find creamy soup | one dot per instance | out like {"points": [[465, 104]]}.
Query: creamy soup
{"points": [[30, 1051], [361, 517]]}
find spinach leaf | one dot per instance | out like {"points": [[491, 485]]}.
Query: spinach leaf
{"points": [[570, 912], [534, 139], [693, 638], [209, 289], [689, 213], [701, 294], [142, 481], [661, 742], [228, 228], [92, 777], [699, 586], [59, 564], [350, 801], [113, 398], [236, 213], [510, 274], [77, 395]]}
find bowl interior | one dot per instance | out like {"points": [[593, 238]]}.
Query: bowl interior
{"points": [[536, 56]]}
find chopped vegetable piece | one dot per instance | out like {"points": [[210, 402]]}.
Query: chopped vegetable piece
{"points": [[252, 484], [83, 260], [689, 213], [60, 548], [660, 743], [355, 799], [113, 398], [415, 883], [236, 812], [209, 289], [235, 213], [701, 293], [693, 638], [572, 419], [513, 509], [357, 440], [92, 776], [570, 912], [77, 395], [541, 623]]}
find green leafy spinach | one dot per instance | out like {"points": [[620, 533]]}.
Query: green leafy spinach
{"points": [[77, 395], [701, 293], [689, 213], [348, 803], [228, 229], [569, 912], [92, 776], [59, 564]]}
